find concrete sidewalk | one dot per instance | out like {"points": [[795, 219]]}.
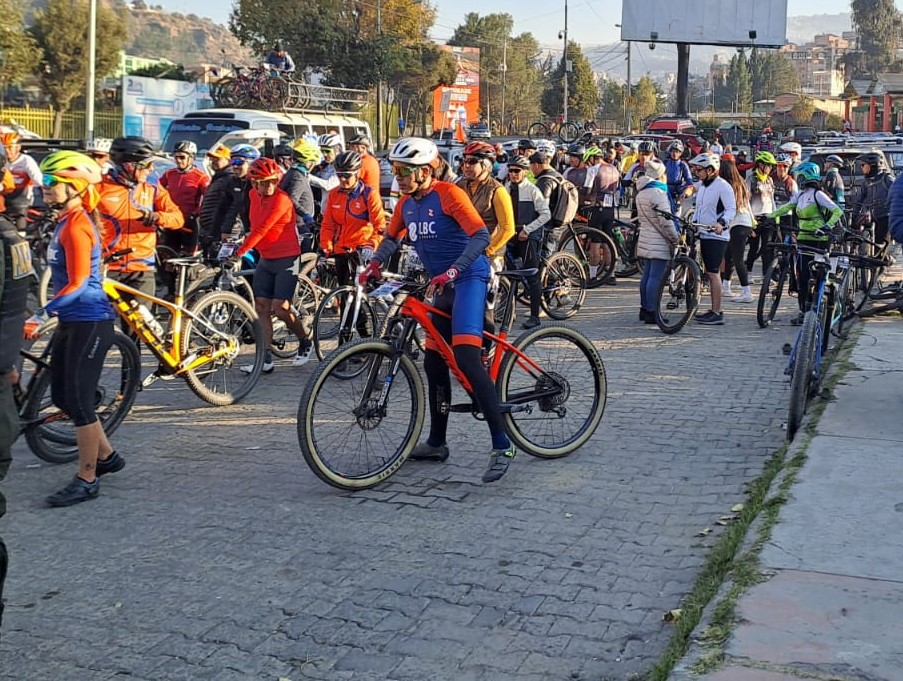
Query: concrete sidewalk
{"points": [[832, 608]]}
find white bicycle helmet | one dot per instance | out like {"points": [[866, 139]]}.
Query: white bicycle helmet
{"points": [[100, 145], [546, 147], [791, 147], [328, 140], [186, 147], [414, 151], [706, 161]]}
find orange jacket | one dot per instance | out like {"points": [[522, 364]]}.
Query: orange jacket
{"points": [[7, 186], [369, 174], [121, 210], [352, 219]]}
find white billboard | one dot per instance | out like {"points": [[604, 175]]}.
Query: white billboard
{"points": [[150, 104], [705, 22]]}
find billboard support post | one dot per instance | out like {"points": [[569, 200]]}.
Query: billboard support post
{"points": [[683, 78], [565, 94], [92, 70]]}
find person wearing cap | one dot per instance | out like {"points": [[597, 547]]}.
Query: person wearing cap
{"points": [[186, 184], [370, 172], [219, 207], [531, 215], [280, 60], [657, 237], [832, 182], [26, 176]]}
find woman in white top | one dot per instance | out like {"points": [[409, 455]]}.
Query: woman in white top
{"points": [[741, 226], [715, 208]]}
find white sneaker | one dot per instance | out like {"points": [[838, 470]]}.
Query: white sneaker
{"points": [[267, 368], [744, 297], [725, 288], [593, 271], [303, 356]]}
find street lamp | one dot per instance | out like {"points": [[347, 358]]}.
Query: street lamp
{"points": [[564, 34]]}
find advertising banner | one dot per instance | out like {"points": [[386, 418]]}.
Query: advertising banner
{"points": [[150, 104], [461, 101]]}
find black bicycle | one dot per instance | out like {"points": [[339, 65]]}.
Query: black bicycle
{"points": [[616, 255], [678, 293]]}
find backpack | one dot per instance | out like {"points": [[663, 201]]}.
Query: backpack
{"points": [[567, 199]]}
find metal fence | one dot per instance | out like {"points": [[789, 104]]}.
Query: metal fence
{"points": [[107, 123]]}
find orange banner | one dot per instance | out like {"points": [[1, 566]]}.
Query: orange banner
{"points": [[458, 105]]}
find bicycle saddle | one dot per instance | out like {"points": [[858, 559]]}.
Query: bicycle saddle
{"points": [[528, 272]]}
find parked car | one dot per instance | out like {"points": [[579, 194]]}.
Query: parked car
{"points": [[669, 124], [478, 131]]}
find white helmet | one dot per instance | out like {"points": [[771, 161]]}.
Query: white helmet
{"points": [[791, 147], [706, 161], [328, 140], [100, 145], [414, 151], [546, 147], [186, 147]]}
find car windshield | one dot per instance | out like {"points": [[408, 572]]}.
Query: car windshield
{"points": [[204, 132]]}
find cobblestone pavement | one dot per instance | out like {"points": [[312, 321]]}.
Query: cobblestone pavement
{"points": [[216, 553]]}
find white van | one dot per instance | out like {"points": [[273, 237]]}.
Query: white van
{"points": [[206, 127]]}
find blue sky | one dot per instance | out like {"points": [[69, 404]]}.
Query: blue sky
{"points": [[590, 22]]}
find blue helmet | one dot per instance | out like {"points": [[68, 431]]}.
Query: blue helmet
{"points": [[807, 173], [242, 153]]}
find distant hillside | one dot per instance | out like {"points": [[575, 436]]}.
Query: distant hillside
{"points": [[183, 38], [802, 30]]}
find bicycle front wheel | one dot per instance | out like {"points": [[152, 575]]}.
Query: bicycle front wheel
{"points": [[554, 396], [563, 284], [223, 321], [803, 373], [773, 281], [538, 130], [347, 438], [333, 324], [285, 343], [568, 132], [678, 295], [583, 243], [50, 433]]}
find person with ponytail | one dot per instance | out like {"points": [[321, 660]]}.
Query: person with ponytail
{"points": [[85, 331]]}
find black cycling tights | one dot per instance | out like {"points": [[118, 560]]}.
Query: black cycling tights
{"points": [[79, 350], [439, 382]]}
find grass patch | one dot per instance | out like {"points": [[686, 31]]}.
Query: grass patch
{"points": [[725, 558]]}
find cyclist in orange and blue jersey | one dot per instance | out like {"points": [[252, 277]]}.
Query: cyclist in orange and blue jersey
{"points": [[450, 238], [86, 317]]}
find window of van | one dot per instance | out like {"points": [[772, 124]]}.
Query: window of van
{"points": [[203, 132]]}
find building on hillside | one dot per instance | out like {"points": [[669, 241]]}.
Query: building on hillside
{"points": [[782, 112], [818, 64], [875, 105]]}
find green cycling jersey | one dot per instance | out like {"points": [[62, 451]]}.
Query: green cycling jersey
{"points": [[811, 206]]}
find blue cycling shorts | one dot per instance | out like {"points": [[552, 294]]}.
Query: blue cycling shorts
{"points": [[466, 302]]}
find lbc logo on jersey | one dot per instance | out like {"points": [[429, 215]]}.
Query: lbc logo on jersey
{"points": [[421, 230]]}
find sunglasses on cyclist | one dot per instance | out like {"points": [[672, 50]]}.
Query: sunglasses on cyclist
{"points": [[99, 155], [344, 175], [404, 171], [51, 181], [515, 171], [471, 160], [263, 183], [143, 165], [180, 157]]}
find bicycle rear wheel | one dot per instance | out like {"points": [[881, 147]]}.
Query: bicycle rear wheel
{"points": [[285, 343], [223, 320], [563, 286], [347, 440], [568, 132], [770, 293], [562, 383], [50, 433], [579, 244], [538, 130], [803, 373], [332, 325], [678, 295]]}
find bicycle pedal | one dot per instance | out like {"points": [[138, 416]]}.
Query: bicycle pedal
{"points": [[149, 380]]}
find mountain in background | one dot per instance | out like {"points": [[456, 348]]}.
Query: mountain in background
{"points": [[185, 39]]}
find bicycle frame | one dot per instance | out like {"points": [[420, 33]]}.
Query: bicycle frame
{"points": [[819, 267], [167, 351]]}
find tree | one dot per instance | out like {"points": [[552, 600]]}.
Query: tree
{"points": [[803, 110], [879, 24], [647, 99], [611, 99], [583, 93], [167, 71], [772, 73], [60, 32], [741, 82], [20, 55]]}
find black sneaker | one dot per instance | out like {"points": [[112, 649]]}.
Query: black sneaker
{"points": [[498, 463], [426, 452], [111, 464], [75, 492], [711, 318], [798, 319], [610, 281], [530, 323]]}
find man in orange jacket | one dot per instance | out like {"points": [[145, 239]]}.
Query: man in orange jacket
{"points": [[369, 173], [131, 211]]}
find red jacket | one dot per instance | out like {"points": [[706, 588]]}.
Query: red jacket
{"points": [[186, 188], [273, 231]]}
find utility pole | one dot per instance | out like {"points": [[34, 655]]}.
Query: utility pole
{"points": [[504, 84], [379, 82], [566, 69], [92, 68], [629, 93]]}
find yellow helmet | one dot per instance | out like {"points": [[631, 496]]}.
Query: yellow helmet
{"points": [[306, 152]]}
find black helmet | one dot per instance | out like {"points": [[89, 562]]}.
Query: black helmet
{"points": [[278, 47], [360, 139], [281, 150], [519, 162], [875, 161], [647, 147], [834, 158], [347, 162], [526, 144], [576, 150], [131, 149]]}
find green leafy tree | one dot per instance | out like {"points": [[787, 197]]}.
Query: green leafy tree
{"points": [[879, 24], [648, 99], [583, 93], [413, 73], [167, 71], [20, 55], [771, 74], [741, 81], [611, 99], [803, 110], [61, 33]]}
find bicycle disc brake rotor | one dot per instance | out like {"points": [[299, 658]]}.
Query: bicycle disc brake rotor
{"points": [[552, 382], [369, 416]]}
